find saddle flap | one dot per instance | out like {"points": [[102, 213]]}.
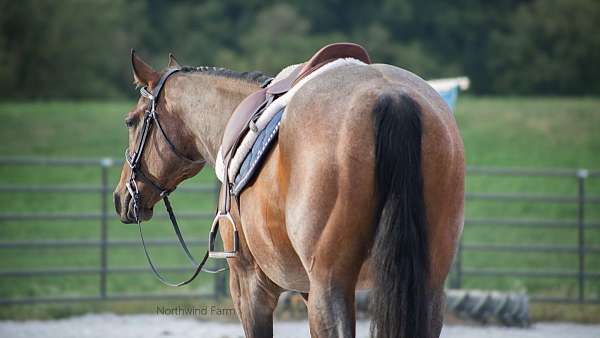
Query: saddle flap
{"points": [[284, 85], [238, 122]]}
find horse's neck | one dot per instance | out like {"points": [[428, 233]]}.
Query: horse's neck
{"points": [[206, 104]]}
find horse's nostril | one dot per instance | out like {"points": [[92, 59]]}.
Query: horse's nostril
{"points": [[117, 202]]}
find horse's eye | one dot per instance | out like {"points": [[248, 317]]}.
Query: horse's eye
{"points": [[130, 122]]}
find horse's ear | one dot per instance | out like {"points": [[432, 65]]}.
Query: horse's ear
{"points": [[143, 74], [173, 62]]}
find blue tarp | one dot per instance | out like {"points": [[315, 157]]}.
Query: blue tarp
{"points": [[450, 96]]}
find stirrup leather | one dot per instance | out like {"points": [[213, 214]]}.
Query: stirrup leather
{"points": [[213, 235]]}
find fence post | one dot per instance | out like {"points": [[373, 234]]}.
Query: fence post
{"points": [[104, 165], [457, 280], [220, 283], [582, 174]]}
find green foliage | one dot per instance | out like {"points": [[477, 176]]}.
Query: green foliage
{"points": [[65, 48], [79, 49], [556, 43]]}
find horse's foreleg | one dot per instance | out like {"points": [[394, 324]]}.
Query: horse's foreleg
{"points": [[255, 298]]}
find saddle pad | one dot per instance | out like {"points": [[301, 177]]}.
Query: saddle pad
{"points": [[253, 160]]}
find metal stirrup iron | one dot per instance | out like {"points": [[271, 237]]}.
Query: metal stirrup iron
{"points": [[213, 235], [224, 215]]}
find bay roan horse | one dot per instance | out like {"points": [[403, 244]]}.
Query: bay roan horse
{"points": [[364, 189]]}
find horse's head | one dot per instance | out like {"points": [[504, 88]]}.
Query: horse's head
{"points": [[161, 150]]}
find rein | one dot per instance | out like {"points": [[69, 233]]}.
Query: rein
{"points": [[134, 161]]}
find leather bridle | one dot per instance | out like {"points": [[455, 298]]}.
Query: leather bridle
{"points": [[134, 161]]}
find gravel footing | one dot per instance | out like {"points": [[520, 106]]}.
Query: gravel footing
{"points": [[157, 326]]}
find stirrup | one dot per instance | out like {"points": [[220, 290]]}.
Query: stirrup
{"points": [[213, 234]]}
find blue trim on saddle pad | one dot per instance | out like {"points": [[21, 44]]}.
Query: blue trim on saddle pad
{"points": [[255, 158], [450, 96]]}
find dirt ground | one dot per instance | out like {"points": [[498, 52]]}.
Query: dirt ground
{"points": [[160, 326]]}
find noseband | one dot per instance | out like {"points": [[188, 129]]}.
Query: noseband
{"points": [[134, 161]]}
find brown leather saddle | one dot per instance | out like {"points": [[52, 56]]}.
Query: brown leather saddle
{"points": [[250, 108]]}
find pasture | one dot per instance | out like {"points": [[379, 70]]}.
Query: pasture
{"points": [[500, 131]]}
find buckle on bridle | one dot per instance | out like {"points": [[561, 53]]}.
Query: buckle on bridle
{"points": [[150, 113], [130, 158], [133, 190], [145, 93]]}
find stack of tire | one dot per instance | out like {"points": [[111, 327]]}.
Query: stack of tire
{"points": [[510, 309], [483, 307]]}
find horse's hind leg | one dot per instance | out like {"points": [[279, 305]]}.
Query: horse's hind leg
{"points": [[333, 272], [436, 314], [331, 310], [255, 298], [335, 269], [330, 227]]}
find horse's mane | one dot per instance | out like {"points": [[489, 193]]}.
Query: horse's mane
{"points": [[252, 76]]}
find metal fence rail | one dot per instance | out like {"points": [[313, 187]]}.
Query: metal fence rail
{"points": [[580, 177], [580, 223], [103, 243]]}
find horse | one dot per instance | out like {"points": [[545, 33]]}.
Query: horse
{"points": [[364, 189]]}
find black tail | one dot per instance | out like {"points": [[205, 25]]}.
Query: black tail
{"points": [[401, 259]]}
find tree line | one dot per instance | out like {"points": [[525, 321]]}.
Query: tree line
{"points": [[80, 49]]}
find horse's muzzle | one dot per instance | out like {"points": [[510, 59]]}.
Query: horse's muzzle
{"points": [[124, 207]]}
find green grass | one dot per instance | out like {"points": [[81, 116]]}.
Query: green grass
{"points": [[531, 133], [88, 130], [509, 132]]}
